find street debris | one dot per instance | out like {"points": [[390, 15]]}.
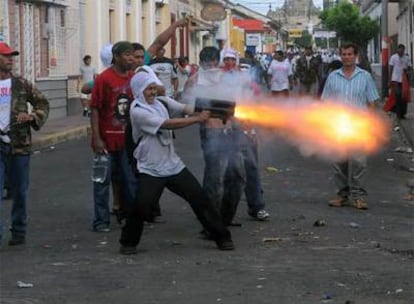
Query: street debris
{"points": [[403, 149], [354, 225], [399, 290], [319, 223], [390, 159], [271, 239], [272, 169], [21, 284]]}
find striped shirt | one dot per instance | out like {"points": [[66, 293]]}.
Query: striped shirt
{"points": [[359, 90]]}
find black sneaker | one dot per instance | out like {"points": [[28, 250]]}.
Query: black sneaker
{"points": [[225, 245], [128, 250], [17, 240]]}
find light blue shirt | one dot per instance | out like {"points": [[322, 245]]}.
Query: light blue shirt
{"points": [[359, 90]]}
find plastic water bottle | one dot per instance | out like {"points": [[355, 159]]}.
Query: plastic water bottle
{"points": [[100, 168]]}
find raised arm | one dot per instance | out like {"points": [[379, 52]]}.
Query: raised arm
{"points": [[163, 38]]}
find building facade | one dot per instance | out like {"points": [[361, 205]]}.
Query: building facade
{"points": [[54, 35], [400, 28]]}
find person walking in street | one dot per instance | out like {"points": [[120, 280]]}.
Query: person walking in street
{"points": [[87, 75], [307, 72], [111, 93], [245, 140], [281, 74], [399, 84], [354, 87], [22, 108], [160, 167]]}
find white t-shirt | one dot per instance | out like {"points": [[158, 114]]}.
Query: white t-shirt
{"points": [[280, 71], [155, 153], [399, 64], [5, 107], [87, 73], [165, 72]]}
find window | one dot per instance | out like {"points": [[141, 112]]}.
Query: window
{"points": [[46, 20], [62, 18]]}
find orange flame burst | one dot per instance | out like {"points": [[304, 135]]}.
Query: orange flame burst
{"points": [[321, 128]]}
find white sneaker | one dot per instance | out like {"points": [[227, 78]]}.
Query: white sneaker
{"points": [[261, 215]]}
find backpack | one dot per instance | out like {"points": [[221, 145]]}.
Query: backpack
{"points": [[130, 144]]}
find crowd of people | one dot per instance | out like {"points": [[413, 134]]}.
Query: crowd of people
{"points": [[142, 96]]}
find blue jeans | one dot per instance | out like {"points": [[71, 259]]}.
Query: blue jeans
{"points": [[223, 173], [253, 189], [18, 168], [118, 163]]}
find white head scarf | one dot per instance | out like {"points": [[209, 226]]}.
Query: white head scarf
{"points": [[146, 68], [139, 83]]}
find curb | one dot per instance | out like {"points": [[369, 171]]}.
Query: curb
{"points": [[42, 141]]}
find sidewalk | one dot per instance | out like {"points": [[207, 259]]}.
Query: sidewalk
{"points": [[59, 130]]}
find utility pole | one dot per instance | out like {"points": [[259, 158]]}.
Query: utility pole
{"points": [[384, 47]]}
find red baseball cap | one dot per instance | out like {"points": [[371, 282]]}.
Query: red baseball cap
{"points": [[6, 50]]}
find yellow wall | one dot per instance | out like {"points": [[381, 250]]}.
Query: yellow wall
{"points": [[237, 39]]}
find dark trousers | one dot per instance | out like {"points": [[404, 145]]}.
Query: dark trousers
{"points": [[400, 104], [185, 185]]}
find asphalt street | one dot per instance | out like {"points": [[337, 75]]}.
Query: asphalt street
{"points": [[358, 256]]}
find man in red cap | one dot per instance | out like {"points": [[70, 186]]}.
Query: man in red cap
{"points": [[22, 107]]}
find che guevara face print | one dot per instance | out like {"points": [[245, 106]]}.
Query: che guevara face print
{"points": [[122, 105]]}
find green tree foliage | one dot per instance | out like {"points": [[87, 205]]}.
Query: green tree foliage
{"points": [[305, 40], [323, 43], [349, 25]]}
